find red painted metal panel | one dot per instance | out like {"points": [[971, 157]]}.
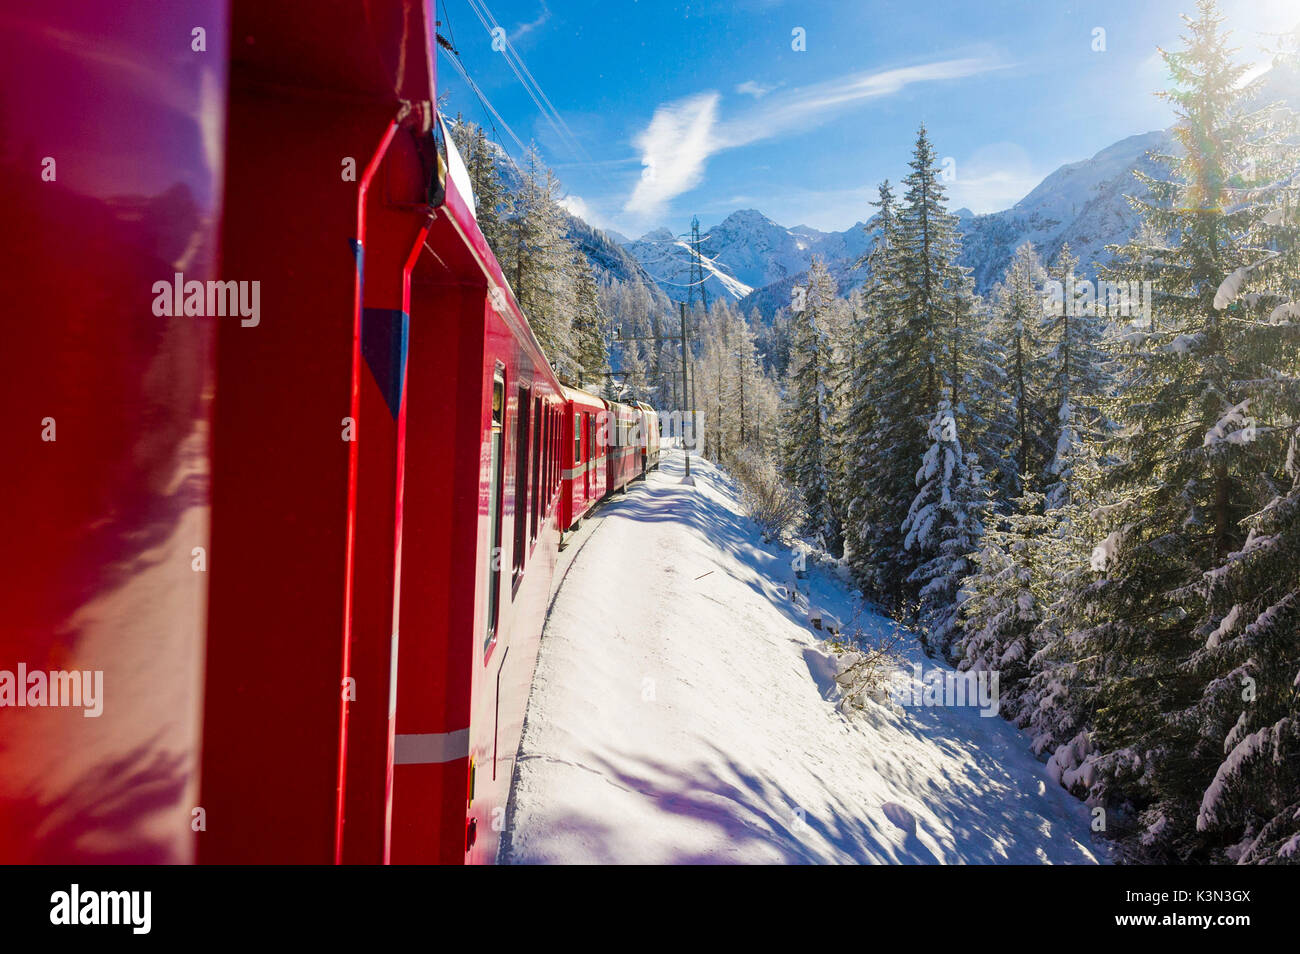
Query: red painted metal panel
{"points": [[622, 454], [585, 486], [439, 607], [281, 528], [395, 228], [110, 181]]}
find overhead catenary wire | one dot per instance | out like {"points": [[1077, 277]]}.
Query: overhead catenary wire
{"points": [[525, 76], [454, 60], [543, 104], [678, 242], [534, 90], [448, 46]]}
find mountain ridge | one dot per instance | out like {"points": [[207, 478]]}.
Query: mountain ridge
{"points": [[755, 262], [1085, 203]]}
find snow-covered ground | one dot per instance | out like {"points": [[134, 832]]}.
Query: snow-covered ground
{"points": [[685, 711]]}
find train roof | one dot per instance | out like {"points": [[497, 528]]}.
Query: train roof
{"points": [[585, 398]]}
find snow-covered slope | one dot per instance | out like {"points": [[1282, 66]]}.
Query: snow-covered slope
{"points": [[685, 711], [746, 252], [1081, 203], [667, 259]]}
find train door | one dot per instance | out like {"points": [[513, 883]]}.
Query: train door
{"points": [[577, 462], [535, 481], [496, 469], [588, 474], [611, 450], [522, 431]]}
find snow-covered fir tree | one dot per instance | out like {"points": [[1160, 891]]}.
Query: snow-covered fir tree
{"points": [[1056, 702], [872, 532], [1208, 394], [808, 446], [492, 203], [1250, 809], [1018, 315], [588, 323], [538, 262], [920, 303], [1249, 666], [943, 527], [1075, 371], [1011, 583], [931, 283]]}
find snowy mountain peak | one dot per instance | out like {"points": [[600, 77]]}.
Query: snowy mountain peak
{"points": [[1083, 203]]}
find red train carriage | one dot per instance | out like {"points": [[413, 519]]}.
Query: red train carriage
{"points": [[623, 426], [355, 625], [108, 184], [584, 478], [649, 438]]}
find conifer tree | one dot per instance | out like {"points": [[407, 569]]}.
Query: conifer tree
{"points": [[1249, 810], [808, 434], [1075, 372], [920, 301], [942, 528], [588, 322], [491, 202], [538, 261], [1201, 420], [1019, 315], [872, 490], [998, 611]]}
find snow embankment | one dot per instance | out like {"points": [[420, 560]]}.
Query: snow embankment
{"points": [[684, 710]]}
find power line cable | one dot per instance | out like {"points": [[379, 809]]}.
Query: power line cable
{"points": [[534, 90]]}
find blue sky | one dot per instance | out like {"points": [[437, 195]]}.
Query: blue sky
{"points": [[673, 109]]}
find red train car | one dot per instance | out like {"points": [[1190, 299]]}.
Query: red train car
{"points": [[623, 425], [649, 438], [304, 541], [584, 478], [109, 184]]}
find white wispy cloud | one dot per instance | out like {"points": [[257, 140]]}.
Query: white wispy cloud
{"points": [[683, 134], [523, 29], [755, 89], [674, 148]]}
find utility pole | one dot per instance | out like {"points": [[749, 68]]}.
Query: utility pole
{"points": [[686, 357], [696, 281], [741, 356], [697, 269]]}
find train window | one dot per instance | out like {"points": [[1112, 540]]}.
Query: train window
{"points": [[591, 440], [522, 431], [545, 486], [496, 465], [535, 481], [550, 453], [577, 438]]}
